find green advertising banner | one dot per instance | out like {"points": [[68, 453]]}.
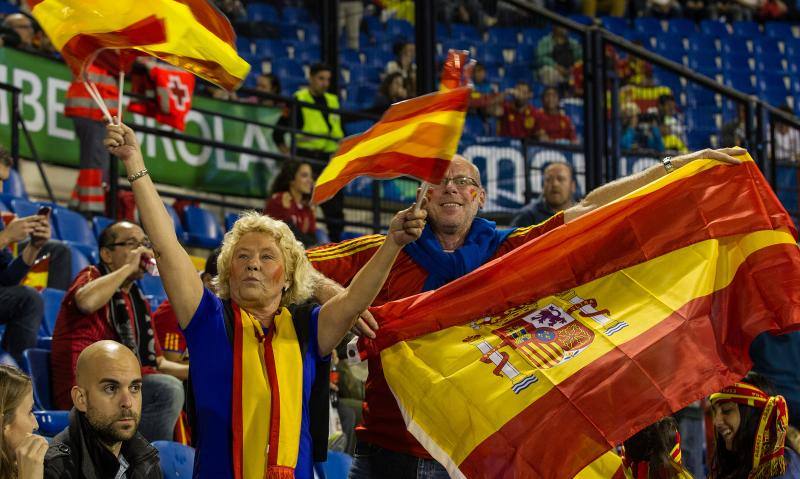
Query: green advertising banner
{"points": [[44, 84]]}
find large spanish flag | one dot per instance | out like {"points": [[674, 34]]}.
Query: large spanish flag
{"points": [[537, 363], [190, 34], [416, 137]]}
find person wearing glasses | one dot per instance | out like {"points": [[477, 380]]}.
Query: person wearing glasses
{"points": [[454, 243], [103, 303]]}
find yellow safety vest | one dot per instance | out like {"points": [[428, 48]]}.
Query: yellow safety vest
{"points": [[314, 122]]}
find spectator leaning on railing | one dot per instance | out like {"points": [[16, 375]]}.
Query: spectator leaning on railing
{"points": [[556, 53]]}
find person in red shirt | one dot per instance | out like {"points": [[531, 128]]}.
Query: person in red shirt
{"points": [[290, 200], [517, 117], [455, 242], [104, 302], [551, 123]]}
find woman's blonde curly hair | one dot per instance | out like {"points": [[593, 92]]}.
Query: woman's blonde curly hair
{"points": [[297, 268]]}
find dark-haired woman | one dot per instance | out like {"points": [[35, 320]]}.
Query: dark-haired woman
{"points": [[290, 201], [750, 428], [654, 452], [21, 452]]}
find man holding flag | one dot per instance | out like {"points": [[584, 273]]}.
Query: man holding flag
{"points": [[454, 243]]}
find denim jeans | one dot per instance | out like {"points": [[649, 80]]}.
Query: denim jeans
{"points": [[162, 401], [21, 310], [375, 462]]}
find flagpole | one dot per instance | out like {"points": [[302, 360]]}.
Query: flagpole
{"points": [[119, 102], [423, 190], [98, 99]]}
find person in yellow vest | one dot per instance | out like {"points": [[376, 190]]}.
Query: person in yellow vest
{"points": [[88, 197], [321, 122]]}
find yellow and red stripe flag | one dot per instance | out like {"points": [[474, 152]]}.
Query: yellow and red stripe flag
{"points": [[597, 329], [190, 34], [416, 137]]}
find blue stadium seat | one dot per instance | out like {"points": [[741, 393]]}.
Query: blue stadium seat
{"points": [[349, 57], [582, 19], [295, 15], [287, 68], [767, 46], [519, 71], [474, 126], [307, 54], [775, 97], [702, 42], [462, 32], [244, 45], [73, 229], [669, 40], [531, 36], [771, 63], [363, 73], [373, 23], [792, 49], [336, 467], [78, 261], [355, 127], [502, 36], [669, 79], [399, 28], [715, 28], [746, 28], [288, 32], [179, 231], [648, 25], [51, 422], [366, 94], [262, 12], [698, 96], [99, 223], [36, 363], [376, 57], [203, 229], [700, 118], [151, 286], [310, 34], [269, 48], [490, 56], [741, 81], [176, 460], [699, 139], [704, 60], [23, 208], [52, 304], [14, 186], [8, 8], [735, 45], [682, 27], [616, 25], [779, 30], [525, 54], [230, 219], [733, 61], [670, 52]]}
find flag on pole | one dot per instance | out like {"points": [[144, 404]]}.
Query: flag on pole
{"points": [[596, 329], [164, 93], [189, 34]]}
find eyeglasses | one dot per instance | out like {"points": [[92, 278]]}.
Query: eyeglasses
{"points": [[131, 244], [459, 182]]}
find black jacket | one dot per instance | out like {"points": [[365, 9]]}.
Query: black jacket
{"points": [[533, 214], [74, 454]]}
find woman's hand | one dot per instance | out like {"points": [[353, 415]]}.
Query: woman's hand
{"points": [[30, 457], [725, 155], [121, 142], [407, 225]]}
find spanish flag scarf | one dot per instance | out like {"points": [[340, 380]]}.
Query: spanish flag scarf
{"points": [[267, 397], [768, 447]]}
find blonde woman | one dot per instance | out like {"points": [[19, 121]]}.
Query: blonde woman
{"points": [[260, 352]]}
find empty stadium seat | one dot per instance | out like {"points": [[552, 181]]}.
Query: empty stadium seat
{"points": [[286, 67], [51, 422], [770, 64], [715, 28], [36, 363], [349, 56], [617, 25], [682, 27], [531, 36], [151, 286], [176, 460], [99, 223], [269, 48], [746, 28], [648, 25], [582, 19], [702, 42], [399, 28], [14, 186], [262, 12], [337, 466], [176, 220], [733, 62], [742, 82], [502, 36], [364, 73], [735, 45], [74, 230], [79, 261], [244, 44], [52, 304], [779, 30], [462, 32], [202, 227], [291, 14], [767, 46], [22, 207]]}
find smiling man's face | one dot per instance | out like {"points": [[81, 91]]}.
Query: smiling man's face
{"points": [[452, 206]]}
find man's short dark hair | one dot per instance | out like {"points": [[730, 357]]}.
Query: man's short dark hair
{"points": [[5, 158], [547, 89], [565, 163], [318, 67]]}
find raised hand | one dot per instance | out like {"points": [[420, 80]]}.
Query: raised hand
{"points": [[407, 225], [30, 457], [121, 142], [725, 155]]}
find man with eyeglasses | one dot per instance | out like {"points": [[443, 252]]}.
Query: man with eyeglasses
{"points": [[104, 302], [454, 243]]}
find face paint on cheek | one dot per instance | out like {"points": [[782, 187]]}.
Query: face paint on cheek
{"points": [[473, 193], [277, 275]]}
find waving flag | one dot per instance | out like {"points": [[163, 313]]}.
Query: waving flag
{"points": [[596, 329], [416, 137], [190, 34]]}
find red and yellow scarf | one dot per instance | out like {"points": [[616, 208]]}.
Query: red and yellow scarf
{"points": [[768, 446], [267, 397]]}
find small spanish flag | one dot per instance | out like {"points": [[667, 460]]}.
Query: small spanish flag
{"points": [[190, 34], [38, 273]]}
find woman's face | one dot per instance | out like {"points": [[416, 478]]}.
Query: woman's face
{"points": [[22, 424], [303, 180], [257, 270], [726, 421]]}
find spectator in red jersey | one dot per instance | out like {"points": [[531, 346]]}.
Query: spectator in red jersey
{"points": [[104, 302], [517, 116], [551, 123], [290, 200]]}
